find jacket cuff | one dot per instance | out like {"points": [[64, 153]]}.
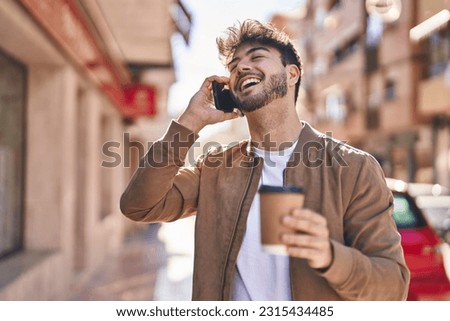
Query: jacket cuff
{"points": [[341, 268], [176, 130], [171, 148]]}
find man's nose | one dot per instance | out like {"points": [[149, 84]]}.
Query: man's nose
{"points": [[243, 66]]}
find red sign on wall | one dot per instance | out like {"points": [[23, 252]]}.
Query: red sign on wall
{"points": [[140, 100]]}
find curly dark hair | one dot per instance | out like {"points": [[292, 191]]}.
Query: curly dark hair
{"points": [[253, 31]]}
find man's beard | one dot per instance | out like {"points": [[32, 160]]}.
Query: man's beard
{"points": [[276, 87]]}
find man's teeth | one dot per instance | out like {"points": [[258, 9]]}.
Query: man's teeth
{"points": [[250, 81]]}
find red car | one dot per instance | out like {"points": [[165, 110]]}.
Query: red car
{"points": [[427, 256]]}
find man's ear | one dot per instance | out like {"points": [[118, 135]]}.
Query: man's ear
{"points": [[293, 74]]}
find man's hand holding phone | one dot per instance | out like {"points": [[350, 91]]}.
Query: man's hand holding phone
{"points": [[222, 97], [201, 110]]}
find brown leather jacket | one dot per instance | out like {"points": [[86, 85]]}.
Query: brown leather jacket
{"points": [[346, 185]]}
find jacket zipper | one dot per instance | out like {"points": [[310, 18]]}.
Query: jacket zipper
{"points": [[284, 177], [247, 187], [291, 285]]}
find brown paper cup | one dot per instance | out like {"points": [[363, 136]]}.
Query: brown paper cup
{"points": [[275, 202]]}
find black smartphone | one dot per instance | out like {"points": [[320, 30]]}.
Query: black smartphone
{"points": [[222, 97]]}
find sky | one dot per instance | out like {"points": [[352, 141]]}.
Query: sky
{"points": [[200, 59]]}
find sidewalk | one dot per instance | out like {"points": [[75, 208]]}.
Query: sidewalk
{"points": [[153, 265]]}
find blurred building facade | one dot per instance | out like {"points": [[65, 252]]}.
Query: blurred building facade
{"points": [[367, 81], [66, 68]]}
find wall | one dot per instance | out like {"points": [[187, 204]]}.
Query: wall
{"points": [[66, 237]]}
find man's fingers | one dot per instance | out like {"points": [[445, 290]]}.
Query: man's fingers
{"points": [[318, 253], [305, 226], [232, 115], [307, 214], [207, 82], [309, 238], [304, 241], [303, 253]]}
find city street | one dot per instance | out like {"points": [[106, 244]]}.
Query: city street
{"points": [[151, 266]]}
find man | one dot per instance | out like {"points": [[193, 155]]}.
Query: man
{"points": [[345, 245]]}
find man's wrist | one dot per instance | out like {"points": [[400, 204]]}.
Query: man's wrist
{"points": [[189, 122], [327, 267]]}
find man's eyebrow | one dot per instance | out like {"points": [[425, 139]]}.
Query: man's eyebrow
{"points": [[247, 53]]}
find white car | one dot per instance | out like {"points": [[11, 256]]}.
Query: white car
{"points": [[432, 199], [437, 211]]}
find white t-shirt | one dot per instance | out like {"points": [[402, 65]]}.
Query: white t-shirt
{"points": [[261, 276]]}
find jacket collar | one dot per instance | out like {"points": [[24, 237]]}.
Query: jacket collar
{"points": [[307, 135]]}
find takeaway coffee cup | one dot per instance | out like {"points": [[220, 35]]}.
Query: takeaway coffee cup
{"points": [[275, 202]]}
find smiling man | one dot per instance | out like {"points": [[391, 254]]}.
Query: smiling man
{"points": [[344, 244]]}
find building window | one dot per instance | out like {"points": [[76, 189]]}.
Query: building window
{"points": [[345, 51], [335, 4], [336, 107], [319, 17], [373, 112], [320, 66], [390, 90], [438, 52], [374, 33], [12, 153], [371, 59]]}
